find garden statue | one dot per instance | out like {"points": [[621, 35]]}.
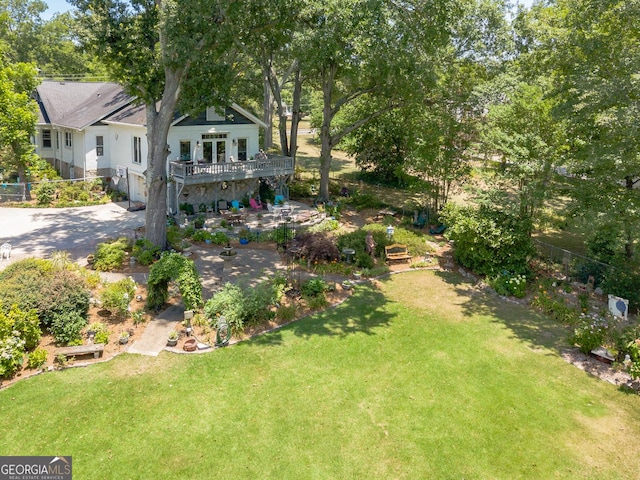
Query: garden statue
{"points": [[370, 245]]}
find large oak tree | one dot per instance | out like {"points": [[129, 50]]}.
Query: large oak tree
{"points": [[170, 54]]}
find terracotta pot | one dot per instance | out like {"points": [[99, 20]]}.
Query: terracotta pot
{"points": [[190, 345]]}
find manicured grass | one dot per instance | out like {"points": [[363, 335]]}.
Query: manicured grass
{"points": [[422, 377]]}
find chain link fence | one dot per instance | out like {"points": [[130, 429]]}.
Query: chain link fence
{"points": [[13, 192], [17, 192], [572, 265]]}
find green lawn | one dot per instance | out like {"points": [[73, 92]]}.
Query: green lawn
{"points": [[421, 378]]}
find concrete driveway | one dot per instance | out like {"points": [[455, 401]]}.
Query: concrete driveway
{"points": [[37, 232]]}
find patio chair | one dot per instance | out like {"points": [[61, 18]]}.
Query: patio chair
{"points": [[271, 209], [438, 229], [236, 204], [279, 199], [255, 204], [420, 221], [5, 251], [222, 205]]}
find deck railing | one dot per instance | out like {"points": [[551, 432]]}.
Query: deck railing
{"points": [[251, 168]]}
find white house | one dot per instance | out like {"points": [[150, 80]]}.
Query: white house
{"points": [[87, 130]]}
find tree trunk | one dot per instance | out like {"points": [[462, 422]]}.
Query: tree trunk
{"points": [[326, 141], [158, 123], [296, 115], [267, 110]]}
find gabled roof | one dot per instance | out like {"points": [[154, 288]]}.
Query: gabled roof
{"points": [[79, 104]]}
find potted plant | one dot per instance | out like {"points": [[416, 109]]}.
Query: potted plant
{"points": [[124, 338], [199, 221], [172, 339], [244, 235]]}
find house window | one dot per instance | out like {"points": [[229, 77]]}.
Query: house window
{"points": [[99, 145], [185, 150], [242, 149], [137, 150], [46, 138], [68, 139], [58, 140]]}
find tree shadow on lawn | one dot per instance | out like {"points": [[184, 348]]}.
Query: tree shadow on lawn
{"points": [[536, 330], [363, 313]]}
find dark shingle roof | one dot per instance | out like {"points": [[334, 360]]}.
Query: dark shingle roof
{"points": [[79, 104], [131, 115]]}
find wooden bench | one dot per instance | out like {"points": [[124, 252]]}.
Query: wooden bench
{"points": [[396, 252], [96, 349]]}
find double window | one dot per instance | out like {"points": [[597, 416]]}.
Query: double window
{"points": [[137, 150]]}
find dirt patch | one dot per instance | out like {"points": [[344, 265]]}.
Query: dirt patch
{"points": [[597, 368]]}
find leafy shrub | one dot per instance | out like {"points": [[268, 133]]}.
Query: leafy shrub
{"points": [[37, 358], [201, 236], [102, 337], [245, 306], [174, 237], [116, 296], [110, 255], [17, 322], [364, 260], [23, 282], [507, 284], [606, 243], [45, 193], [66, 327], [228, 302], [317, 248], [257, 303], [625, 283], [489, 241], [220, 238], [314, 287], [145, 252], [138, 317], [326, 225], [300, 189], [67, 292], [187, 208], [282, 234], [40, 285], [11, 355], [633, 365], [589, 334], [173, 266]]}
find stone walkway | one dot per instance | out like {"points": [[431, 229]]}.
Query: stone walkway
{"points": [[154, 338]]}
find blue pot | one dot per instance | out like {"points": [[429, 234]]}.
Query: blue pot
{"points": [[244, 241]]}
